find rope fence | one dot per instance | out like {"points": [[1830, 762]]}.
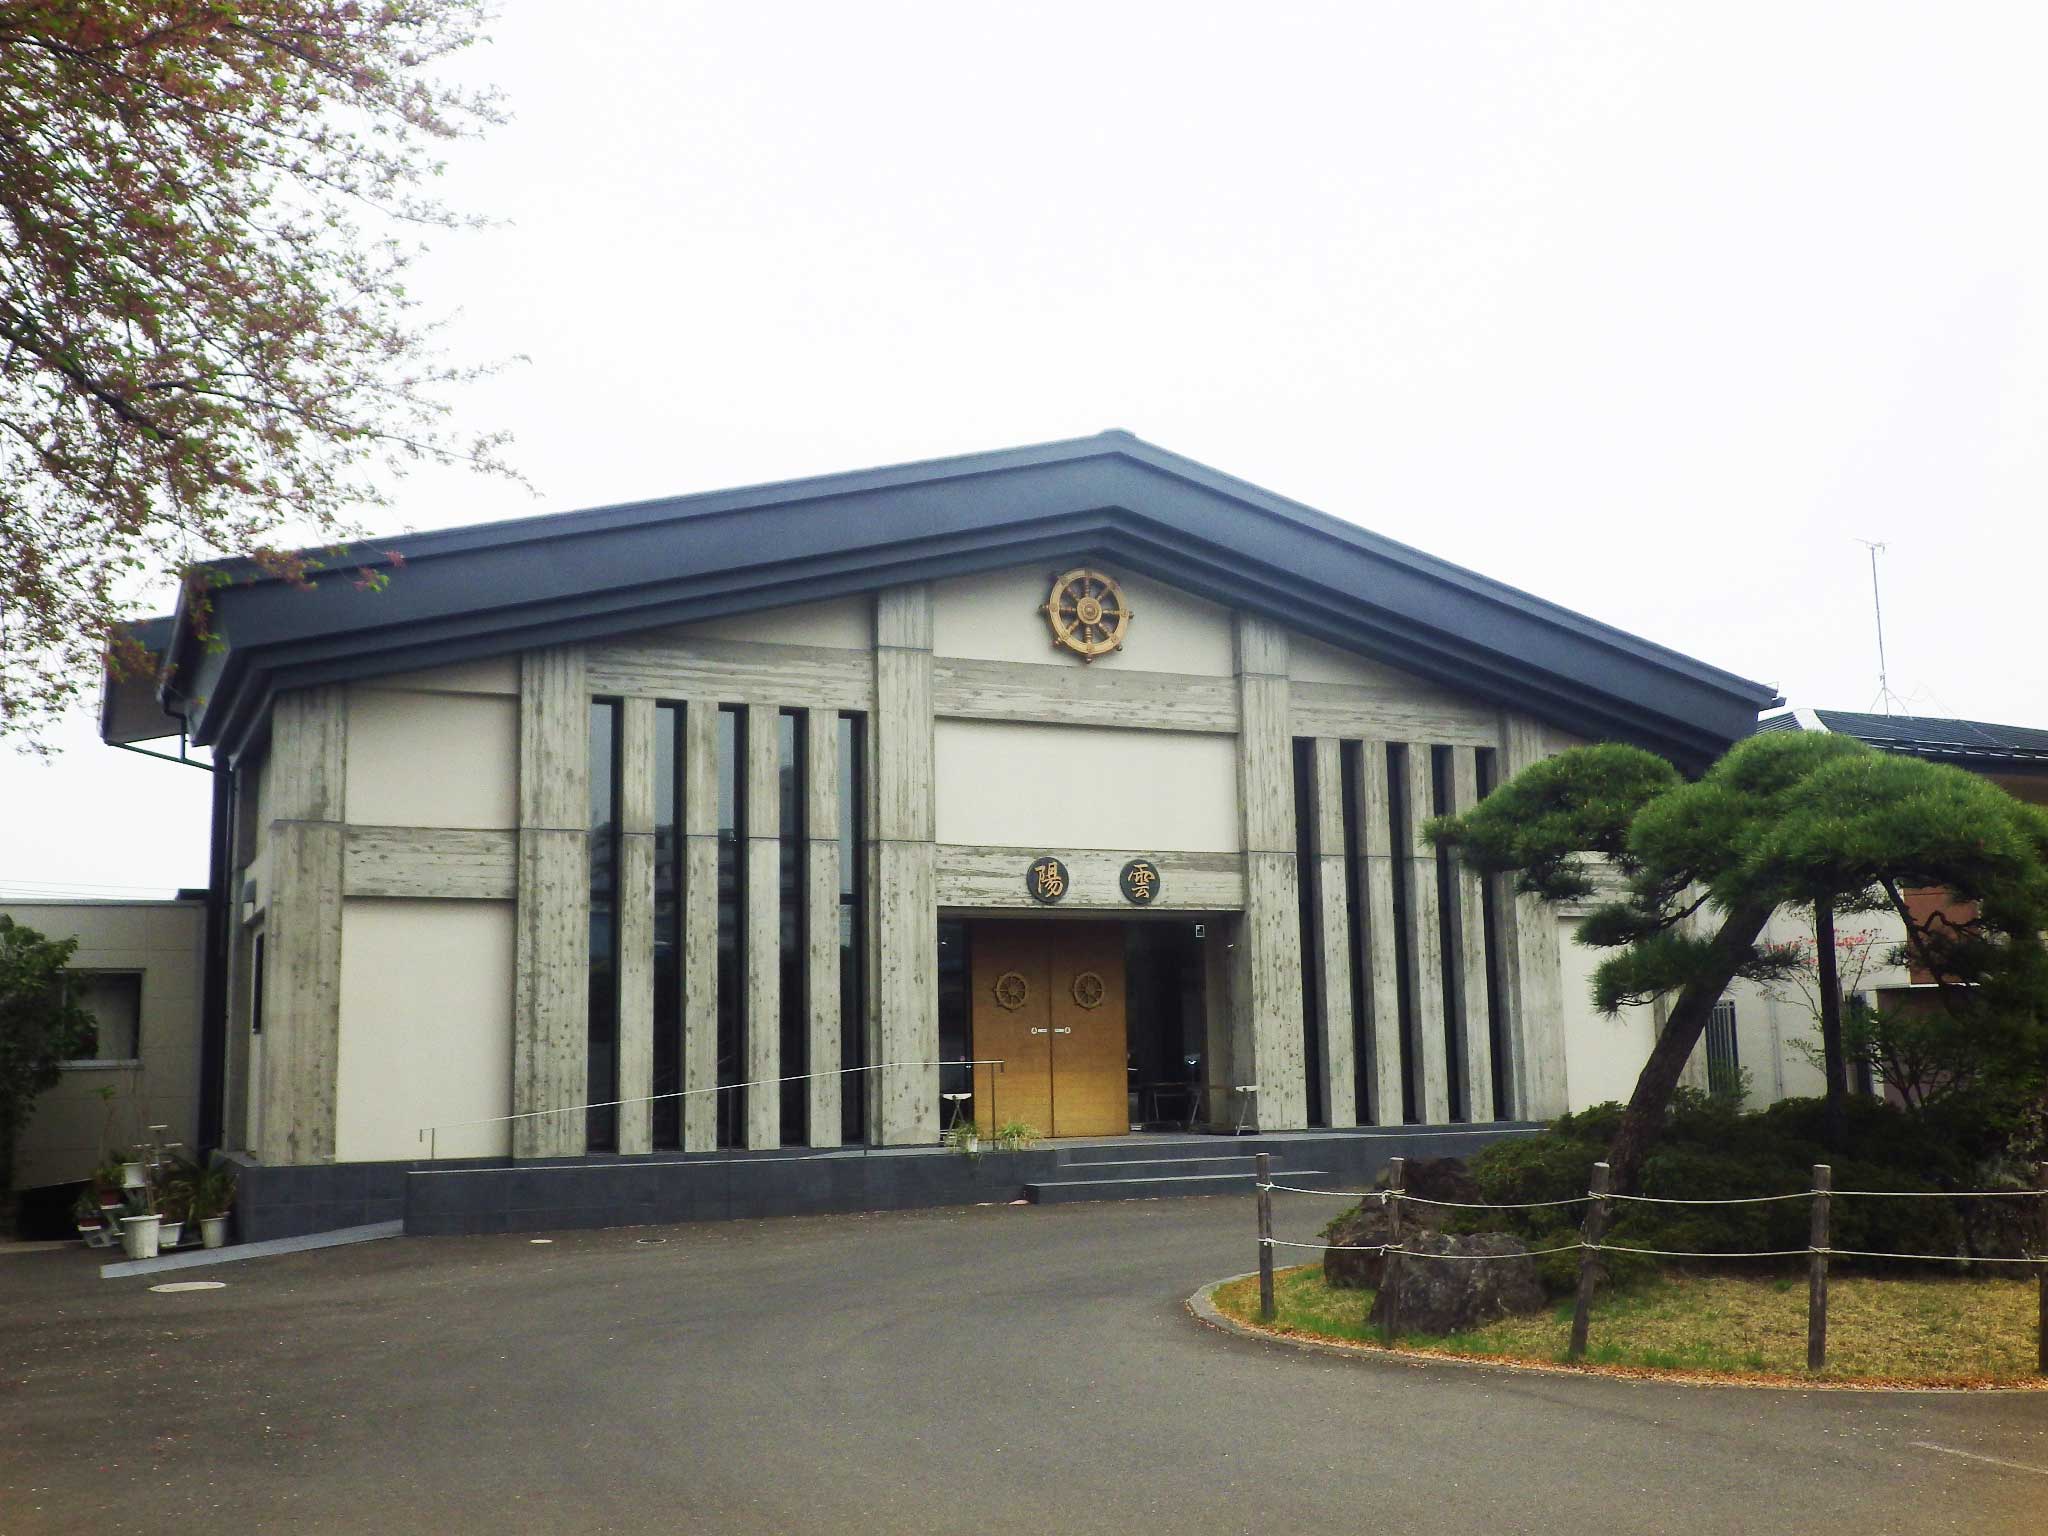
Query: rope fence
{"points": [[1592, 1241]]}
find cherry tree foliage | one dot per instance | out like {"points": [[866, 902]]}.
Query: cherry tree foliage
{"points": [[207, 349]]}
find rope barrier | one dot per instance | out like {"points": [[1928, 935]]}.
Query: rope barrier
{"points": [[1804, 1194], [1940, 1194], [1526, 1205], [1659, 1253]]}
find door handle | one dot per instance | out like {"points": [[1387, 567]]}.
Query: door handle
{"points": [[1038, 1031], [1063, 1030]]}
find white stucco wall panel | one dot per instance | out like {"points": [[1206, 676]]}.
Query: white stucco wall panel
{"points": [[998, 616], [1603, 1054], [842, 624], [498, 674], [426, 1027], [1058, 786], [432, 759], [1310, 661]]}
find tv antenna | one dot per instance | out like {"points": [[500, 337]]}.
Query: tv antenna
{"points": [[1885, 697]]}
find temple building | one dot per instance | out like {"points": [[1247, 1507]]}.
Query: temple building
{"points": [[1074, 786]]}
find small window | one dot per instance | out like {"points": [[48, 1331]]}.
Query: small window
{"points": [[114, 999], [1724, 1064]]}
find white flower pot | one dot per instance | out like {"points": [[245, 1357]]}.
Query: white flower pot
{"points": [[170, 1234], [139, 1235], [131, 1176], [213, 1231]]}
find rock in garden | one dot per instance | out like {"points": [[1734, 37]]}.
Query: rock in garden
{"points": [[1436, 1290], [1365, 1225]]}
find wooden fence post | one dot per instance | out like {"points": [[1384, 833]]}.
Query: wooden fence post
{"points": [[1591, 1231], [1390, 1259], [1263, 1166], [2041, 1269], [1817, 1269]]}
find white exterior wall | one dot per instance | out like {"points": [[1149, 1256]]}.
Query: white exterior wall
{"points": [[160, 1086], [996, 617], [427, 986], [1014, 785], [1604, 1054], [426, 1028]]}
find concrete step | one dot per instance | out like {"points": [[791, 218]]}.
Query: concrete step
{"points": [[1147, 1148], [1146, 1187]]}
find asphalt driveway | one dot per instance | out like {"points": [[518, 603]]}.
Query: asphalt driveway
{"points": [[986, 1370]]}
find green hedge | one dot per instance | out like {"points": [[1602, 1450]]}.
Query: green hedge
{"points": [[1711, 1150]]}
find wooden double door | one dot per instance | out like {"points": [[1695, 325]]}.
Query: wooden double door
{"points": [[1049, 1003]]}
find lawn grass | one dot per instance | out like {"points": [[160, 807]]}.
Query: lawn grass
{"points": [[1921, 1332]]}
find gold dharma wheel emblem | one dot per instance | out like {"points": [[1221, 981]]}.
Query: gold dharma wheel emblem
{"points": [[1088, 613], [1012, 991], [1089, 990]]}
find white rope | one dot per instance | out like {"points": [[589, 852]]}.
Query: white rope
{"points": [[1804, 1194], [1384, 1195], [1673, 1253], [1943, 1194], [1460, 1205], [1411, 1253]]}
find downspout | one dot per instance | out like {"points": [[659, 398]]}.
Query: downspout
{"points": [[213, 985]]}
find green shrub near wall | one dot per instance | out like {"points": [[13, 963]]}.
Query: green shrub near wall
{"points": [[1710, 1150]]}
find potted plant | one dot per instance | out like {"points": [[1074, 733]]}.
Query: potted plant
{"points": [[173, 1202], [964, 1138], [134, 1173], [1015, 1136], [213, 1194], [141, 1234]]}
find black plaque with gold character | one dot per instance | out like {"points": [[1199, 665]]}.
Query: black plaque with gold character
{"points": [[1140, 881], [1046, 880]]}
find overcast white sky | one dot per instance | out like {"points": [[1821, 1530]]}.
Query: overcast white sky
{"points": [[1652, 311]]}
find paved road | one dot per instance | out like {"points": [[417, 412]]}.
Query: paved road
{"points": [[987, 1370]]}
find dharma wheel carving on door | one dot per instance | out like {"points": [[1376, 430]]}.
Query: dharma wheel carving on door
{"points": [[1088, 613]]}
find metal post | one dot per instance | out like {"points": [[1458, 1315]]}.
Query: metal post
{"points": [[1390, 1260], [1817, 1270], [1594, 1229], [1263, 1174]]}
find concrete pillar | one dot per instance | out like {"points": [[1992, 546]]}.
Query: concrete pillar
{"points": [[904, 909], [1374, 839], [700, 925], [821, 924], [1531, 965], [302, 925], [1474, 1029], [636, 923], [1425, 936], [762, 968], [551, 997], [1268, 954], [1332, 908]]}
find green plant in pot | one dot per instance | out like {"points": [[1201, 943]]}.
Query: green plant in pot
{"points": [[1015, 1136], [964, 1138], [213, 1195], [91, 1218]]}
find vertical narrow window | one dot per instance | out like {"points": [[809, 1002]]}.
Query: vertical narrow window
{"points": [[256, 986], [790, 756], [602, 1125], [1724, 1062], [1350, 760], [1403, 842], [853, 926], [732, 916], [1305, 889], [667, 1116], [1496, 977], [1447, 909]]}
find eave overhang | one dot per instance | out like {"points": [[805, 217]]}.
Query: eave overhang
{"points": [[496, 589]]}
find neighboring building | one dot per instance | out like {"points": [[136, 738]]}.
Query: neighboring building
{"points": [[1770, 1032], [1081, 756], [141, 964]]}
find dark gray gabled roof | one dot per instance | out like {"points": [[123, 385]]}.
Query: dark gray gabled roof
{"points": [[496, 588], [1970, 743]]}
